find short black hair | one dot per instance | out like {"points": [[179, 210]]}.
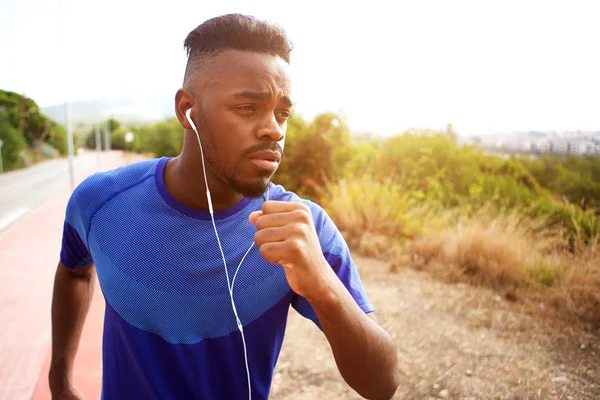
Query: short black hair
{"points": [[235, 32]]}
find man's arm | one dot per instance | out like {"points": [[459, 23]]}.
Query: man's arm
{"points": [[73, 290], [364, 352]]}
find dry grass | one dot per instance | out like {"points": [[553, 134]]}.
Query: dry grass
{"points": [[514, 253], [505, 250], [495, 248], [578, 290]]}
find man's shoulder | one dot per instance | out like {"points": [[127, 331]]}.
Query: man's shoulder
{"points": [[101, 186]]}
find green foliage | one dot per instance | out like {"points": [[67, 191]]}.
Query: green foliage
{"points": [[57, 138], [24, 125], [542, 273], [25, 116], [579, 225], [433, 170], [117, 139], [362, 205], [161, 139], [575, 178], [13, 143], [315, 153]]}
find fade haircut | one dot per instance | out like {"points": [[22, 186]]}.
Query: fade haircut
{"points": [[233, 32]]}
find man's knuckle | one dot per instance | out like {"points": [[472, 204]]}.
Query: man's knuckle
{"points": [[264, 249], [296, 244], [296, 230], [261, 237], [301, 215]]}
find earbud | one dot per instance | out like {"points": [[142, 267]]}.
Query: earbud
{"points": [[187, 115]]}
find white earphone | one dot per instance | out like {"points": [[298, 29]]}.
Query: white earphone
{"points": [[229, 285]]}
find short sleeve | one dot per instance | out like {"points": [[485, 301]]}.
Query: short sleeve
{"points": [[338, 255], [74, 253]]}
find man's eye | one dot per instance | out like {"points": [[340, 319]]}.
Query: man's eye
{"points": [[283, 114], [246, 107]]}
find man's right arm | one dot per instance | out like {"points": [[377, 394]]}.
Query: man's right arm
{"points": [[73, 290]]}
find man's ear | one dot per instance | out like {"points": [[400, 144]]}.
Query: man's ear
{"points": [[183, 102]]}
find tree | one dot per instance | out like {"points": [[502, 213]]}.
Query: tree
{"points": [[161, 139], [13, 143], [30, 124], [314, 153], [57, 138]]}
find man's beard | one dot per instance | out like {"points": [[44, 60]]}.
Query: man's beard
{"points": [[252, 189], [249, 189]]}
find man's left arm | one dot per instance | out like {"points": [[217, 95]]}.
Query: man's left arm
{"points": [[364, 352]]}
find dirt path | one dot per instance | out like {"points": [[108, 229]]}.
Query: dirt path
{"points": [[454, 341]]}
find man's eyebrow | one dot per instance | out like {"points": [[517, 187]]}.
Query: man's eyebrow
{"points": [[261, 95]]}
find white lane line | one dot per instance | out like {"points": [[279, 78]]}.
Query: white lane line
{"points": [[12, 217]]}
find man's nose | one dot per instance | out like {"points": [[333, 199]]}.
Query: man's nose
{"points": [[270, 129]]}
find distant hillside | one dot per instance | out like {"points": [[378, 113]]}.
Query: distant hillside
{"points": [[130, 109]]}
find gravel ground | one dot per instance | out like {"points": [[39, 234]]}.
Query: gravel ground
{"points": [[454, 341]]}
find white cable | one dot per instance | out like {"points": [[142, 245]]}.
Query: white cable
{"points": [[247, 251], [229, 286]]}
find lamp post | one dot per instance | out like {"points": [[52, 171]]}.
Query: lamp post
{"points": [[68, 126]]}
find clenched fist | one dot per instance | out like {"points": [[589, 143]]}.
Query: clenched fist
{"points": [[286, 235]]}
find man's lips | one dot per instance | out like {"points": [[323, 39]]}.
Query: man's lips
{"points": [[265, 164], [266, 159], [268, 155]]}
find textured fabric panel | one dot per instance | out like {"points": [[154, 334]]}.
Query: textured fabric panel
{"points": [[186, 318], [168, 251], [140, 365], [163, 271]]}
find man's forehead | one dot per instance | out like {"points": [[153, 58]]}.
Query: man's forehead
{"points": [[252, 70]]}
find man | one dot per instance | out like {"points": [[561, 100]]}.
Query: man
{"points": [[198, 285]]}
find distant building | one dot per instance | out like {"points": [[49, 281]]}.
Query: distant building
{"points": [[559, 146], [577, 143], [542, 146]]}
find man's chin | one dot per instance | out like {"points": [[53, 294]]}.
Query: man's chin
{"points": [[252, 189]]}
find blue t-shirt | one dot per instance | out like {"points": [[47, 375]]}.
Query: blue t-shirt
{"points": [[169, 328]]}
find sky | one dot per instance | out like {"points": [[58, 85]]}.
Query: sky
{"points": [[483, 66]]}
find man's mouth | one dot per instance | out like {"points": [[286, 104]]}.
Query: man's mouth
{"points": [[266, 159]]}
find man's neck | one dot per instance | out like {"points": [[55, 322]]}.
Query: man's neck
{"points": [[184, 179]]}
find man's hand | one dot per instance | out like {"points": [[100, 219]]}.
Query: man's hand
{"points": [[364, 352], [68, 392], [287, 236]]}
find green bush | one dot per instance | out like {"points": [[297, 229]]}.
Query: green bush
{"points": [[161, 139], [57, 138], [314, 153], [24, 125], [575, 178], [13, 144]]}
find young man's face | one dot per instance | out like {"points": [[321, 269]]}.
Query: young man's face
{"points": [[243, 101]]}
